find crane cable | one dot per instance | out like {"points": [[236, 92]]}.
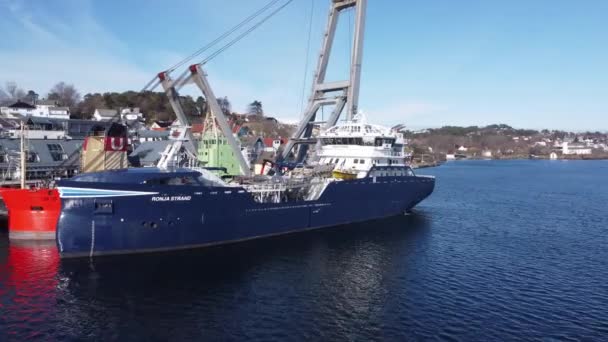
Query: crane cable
{"points": [[224, 35], [117, 117], [213, 42], [182, 79], [244, 34], [306, 61]]}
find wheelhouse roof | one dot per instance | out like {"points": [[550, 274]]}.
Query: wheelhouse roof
{"points": [[132, 175]]}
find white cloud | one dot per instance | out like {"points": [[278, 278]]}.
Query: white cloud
{"points": [[49, 51], [66, 43], [406, 111]]}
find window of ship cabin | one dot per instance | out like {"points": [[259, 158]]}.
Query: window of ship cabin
{"points": [[32, 157], [56, 151], [185, 180], [356, 161], [378, 142]]}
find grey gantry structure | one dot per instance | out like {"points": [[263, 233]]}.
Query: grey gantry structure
{"points": [[339, 93]]}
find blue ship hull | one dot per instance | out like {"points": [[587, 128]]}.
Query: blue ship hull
{"points": [[105, 218]]}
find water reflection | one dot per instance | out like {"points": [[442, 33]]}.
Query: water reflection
{"points": [[302, 282], [371, 245], [28, 287]]}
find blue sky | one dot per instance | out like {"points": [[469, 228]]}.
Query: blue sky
{"points": [[427, 63]]}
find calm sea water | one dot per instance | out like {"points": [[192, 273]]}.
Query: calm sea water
{"points": [[500, 251]]}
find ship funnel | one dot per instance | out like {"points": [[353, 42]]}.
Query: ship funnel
{"points": [[105, 148]]}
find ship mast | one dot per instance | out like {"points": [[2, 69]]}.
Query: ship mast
{"points": [[324, 93], [23, 156]]}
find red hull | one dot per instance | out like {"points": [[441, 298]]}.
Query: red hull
{"points": [[32, 214]]}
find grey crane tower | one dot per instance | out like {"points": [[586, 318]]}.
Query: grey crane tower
{"points": [[323, 93]]}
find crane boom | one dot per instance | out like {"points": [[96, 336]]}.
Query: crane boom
{"points": [[169, 86], [198, 76]]}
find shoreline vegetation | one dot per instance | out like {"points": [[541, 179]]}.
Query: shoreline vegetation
{"points": [[428, 146], [503, 142]]}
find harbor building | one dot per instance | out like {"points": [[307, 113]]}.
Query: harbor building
{"points": [[45, 109]]}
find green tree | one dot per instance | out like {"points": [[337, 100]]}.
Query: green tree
{"points": [[225, 105], [201, 105], [31, 97], [255, 108]]}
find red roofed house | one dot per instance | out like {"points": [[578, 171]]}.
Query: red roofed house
{"points": [[197, 130], [161, 125], [273, 144]]}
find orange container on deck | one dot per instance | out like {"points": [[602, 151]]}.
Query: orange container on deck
{"points": [[32, 214]]}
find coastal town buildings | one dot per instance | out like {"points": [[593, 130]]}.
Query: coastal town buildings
{"points": [[131, 114], [43, 109], [103, 114], [574, 149]]}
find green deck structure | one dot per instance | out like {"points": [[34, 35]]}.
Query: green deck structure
{"points": [[214, 150]]}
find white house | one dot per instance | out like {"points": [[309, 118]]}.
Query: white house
{"points": [[152, 135], [575, 149], [273, 144], [40, 128], [44, 109], [131, 114], [18, 109], [51, 109], [102, 114], [58, 113]]}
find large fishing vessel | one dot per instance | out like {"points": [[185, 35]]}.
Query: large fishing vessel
{"points": [[329, 173], [151, 209]]}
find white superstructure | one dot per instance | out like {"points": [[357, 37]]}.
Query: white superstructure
{"points": [[355, 146]]}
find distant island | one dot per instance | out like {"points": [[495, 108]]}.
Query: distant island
{"points": [[500, 141]]}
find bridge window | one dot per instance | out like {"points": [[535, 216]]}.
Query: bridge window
{"points": [[32, 157], [56, 152], [185, 180]]}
